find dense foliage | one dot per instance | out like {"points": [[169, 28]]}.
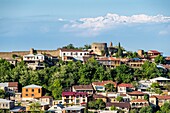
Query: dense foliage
{"points": [[63, 75]]}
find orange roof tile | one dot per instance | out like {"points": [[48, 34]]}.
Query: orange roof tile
{"points": [[125, 85], [139, 100], [136, 93], [104, 83], [161, 96], [12, 84]]}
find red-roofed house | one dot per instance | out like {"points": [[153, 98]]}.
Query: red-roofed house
{"points": [[136, 95], [138, 103], [159, 100], [125, 87], [100, 86], [83, 88], [74, 98], [153, 53]]}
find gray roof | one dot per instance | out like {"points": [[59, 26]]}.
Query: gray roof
{"points": [[4, 84], [5, 100], [74, 108], [17, 109], [33, 86]]}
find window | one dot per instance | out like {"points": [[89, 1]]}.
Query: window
{"points": [[38, 90], [83, 100], [26, 90], [80, 53], [64, 54], [77, 101], [6, 105], [32, 95], [71, 53], [32, 90], [26, 94]]}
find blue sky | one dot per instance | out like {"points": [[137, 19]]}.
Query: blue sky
{"points": [[49, 24]]}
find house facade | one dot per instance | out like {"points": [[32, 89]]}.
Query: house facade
{"points": [[74, 98], [72, 54], [83, 88], [6, 104], [31, 91]]}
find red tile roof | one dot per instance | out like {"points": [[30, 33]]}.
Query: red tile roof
{"points": [[73, 50], [167, 58], [139, 100], [161, 97], [123, 95], [83, 87], [109, 58], [104, 83], [98, 96], [125, 85], [46, 97], [12, 84], [136, 93], [153, 51], [74, 94], [119, 104]]}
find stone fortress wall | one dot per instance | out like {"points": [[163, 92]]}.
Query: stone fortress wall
{"points": [[8, 55]]}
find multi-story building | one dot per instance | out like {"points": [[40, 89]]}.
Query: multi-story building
{"points": [[100, 86], [125, 87], [72, 54], [6, 104], [135, 62], [10, 87], [159, 100], [136, 95], [31, 91], [99, 48], [83, 88], [74, 98], [138, 103], [109, 61], [46, 99], [34, 61]]}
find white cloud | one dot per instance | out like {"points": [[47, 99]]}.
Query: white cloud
{"points": [[112, 20]]}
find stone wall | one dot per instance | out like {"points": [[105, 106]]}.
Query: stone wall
{"points": [[8, 55]]}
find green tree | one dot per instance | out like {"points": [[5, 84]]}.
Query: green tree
{"points": [[159, 59], [165, 108], [133, 111], [123, 74], [119, 98], [150, 70], [56, 89], [146, 97], [2, 93], [101, 104], [155, 85], [70, 46], [112, 108], [35, 107], [110, 87], [147, 109], [97, 104], [120, 51]]}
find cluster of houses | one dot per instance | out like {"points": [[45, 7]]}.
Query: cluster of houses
{"points": [[76, 100], [100, 51]]}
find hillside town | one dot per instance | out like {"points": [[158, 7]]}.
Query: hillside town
{"points": [[96, 78]]}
